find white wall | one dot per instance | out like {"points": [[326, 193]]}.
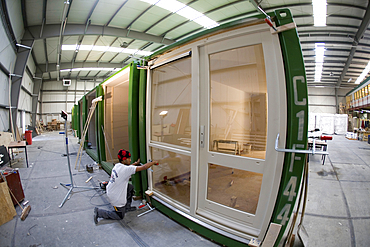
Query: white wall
{"points": [[8, 57], [323, 100], [56, 97]]}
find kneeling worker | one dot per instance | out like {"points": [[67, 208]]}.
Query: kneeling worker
{"points": [[119, 191]]}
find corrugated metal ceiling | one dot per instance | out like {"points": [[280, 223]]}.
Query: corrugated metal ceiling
{"points": [[137, 24]]}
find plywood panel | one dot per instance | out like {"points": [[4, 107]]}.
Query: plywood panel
{"points": [[116, 120], [6, 138], [7, 211]]}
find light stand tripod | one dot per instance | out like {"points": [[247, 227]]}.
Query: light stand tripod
{"points": [[71, 185]]}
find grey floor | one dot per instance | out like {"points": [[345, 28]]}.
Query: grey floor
{"points": [[337, 214]]}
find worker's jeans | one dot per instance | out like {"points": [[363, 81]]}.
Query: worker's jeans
{"points": [[119, 212]]}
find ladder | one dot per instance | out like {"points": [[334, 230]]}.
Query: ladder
{"points": [[82, 141]]}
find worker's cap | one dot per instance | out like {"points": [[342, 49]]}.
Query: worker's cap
{"points": [[123, 154]]}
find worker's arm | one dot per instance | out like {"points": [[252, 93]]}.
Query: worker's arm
{"points": [[146, 166]]}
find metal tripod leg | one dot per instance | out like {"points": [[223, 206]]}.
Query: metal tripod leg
{"points": [[70, 172], [71, 189], [65, 198]]}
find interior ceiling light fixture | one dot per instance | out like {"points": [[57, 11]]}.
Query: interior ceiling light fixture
{"points": [[319, 60], [105, 49], [319, 12], [185, 11], [363, 74]]}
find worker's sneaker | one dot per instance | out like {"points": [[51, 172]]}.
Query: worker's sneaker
{"points": [[130, 209], [96, 215]]}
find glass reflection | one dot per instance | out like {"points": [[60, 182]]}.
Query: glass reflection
{"points": [[238, 102], [234, 188], [171, 103], [172, 176]]}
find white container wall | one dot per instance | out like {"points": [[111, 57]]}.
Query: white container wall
{"points": [[328, 123]]}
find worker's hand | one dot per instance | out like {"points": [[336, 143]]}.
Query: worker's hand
{"points": [[152, 163], [156, 162], [137, 162]]}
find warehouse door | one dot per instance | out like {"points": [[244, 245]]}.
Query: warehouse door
{"points": [[242, 109]]}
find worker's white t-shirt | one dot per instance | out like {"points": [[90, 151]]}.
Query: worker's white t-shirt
{"points": [[117, 186]]}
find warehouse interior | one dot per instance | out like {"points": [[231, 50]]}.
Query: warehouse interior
{"points": [[55, 52]]}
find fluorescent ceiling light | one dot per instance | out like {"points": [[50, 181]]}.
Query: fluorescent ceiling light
{"points": [[185, 11], [189, 13], [363, 74], [88, 69], [105, 49], [319, 12], [319, 60], [171, 5]]}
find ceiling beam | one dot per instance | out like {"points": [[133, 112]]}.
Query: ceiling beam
{"points": [[44, 7], [79, 78], [51, 67], [24, 13], [5, 19], [362, 29], [52, 31]]}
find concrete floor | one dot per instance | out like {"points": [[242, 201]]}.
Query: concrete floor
{"points": [[337, 214]]}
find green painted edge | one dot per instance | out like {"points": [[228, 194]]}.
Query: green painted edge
{"points": [[107, 166], [93, 154], [293, 66], [133, 123], [142, 125], [84, 116], [80, 118], [77, 119], [87, 108], [214, 236], [73, 117], [100, 122]]}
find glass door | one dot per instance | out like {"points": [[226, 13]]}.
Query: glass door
{"points": [[170, 130], [242, 109]]}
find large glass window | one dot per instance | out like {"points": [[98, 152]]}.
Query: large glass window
{"points": [[171, 103], [116, 119], [238, 102], [234, 188], [172, 176]]}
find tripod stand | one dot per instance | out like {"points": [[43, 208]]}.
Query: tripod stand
{"points": [[71, 185]]}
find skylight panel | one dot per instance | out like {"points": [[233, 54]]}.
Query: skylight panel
{"points": [[189, 13], [185, 11], [363, 74], [171, 5], [319, 60], [319, 12]]}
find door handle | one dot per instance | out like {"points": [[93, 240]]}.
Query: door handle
{"points": [[201, 137]]}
